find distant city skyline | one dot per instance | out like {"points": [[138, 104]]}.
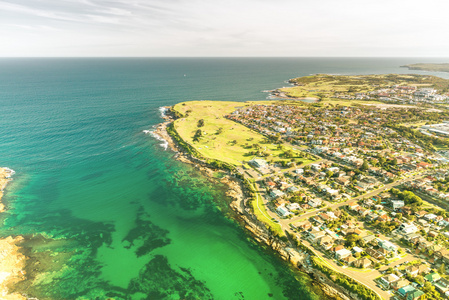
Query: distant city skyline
{"points": [[199, 28]]}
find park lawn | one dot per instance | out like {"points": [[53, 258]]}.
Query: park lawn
{"points": [[417, 124], [262, 215], [232, 145], [325, 86], [326, 90], [344, 102], [440, 147]]}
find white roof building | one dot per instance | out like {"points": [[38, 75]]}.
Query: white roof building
{"points": [[340, 254], [406, 228], [430, 217], [283, 212], [357, 249], [259, 163], [276, 193], [293, 206], [299, 171], [390, 247], [397, 204], [314, 202]]}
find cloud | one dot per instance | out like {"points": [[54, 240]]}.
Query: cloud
{"points": [[215, 28]]}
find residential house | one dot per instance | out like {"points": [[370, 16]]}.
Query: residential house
{"points": [[304, 225], [349, 260], [432, 233], [406, 228], [432, 277], [412, 237], [315, 202], [369, 238], [384, 218], [403, 291], [337, 248], [374, 254], [258, 163], [292, 189], [400, 284], [396, 204], [276, 194], [326, 242], [417, 270], [293, 206], [442, 285], [357, 249], [414, 295], [340, 254], [305, 206], [390, 247], [387, 280], [420, 213], [315, 234], [430, 217], [283, 211], [344, 181], [325, 217], [353, 205], [422, 246], [363, 263], [443, 255], [412, 270]]}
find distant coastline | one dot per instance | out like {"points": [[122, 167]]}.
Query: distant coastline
{"points": [[443, 67]]}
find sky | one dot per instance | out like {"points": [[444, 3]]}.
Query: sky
{"points": [[231, 28]]}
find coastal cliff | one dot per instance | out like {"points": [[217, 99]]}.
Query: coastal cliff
{"points": [[240, 195], [12, 261]]}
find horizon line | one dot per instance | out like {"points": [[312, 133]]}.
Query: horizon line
{"points": [[421, 57]]}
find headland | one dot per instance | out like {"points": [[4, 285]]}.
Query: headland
{"points": [[330, 185], [428, 67]]}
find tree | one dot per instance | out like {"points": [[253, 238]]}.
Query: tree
{"points": [[419, 279], [442, 270], [197, 135], [200, 123], [329, 174], [289, 153], [364, 166]]}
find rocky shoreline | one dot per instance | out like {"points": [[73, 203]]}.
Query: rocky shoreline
{"points": [[243, 214], [12, 261]]}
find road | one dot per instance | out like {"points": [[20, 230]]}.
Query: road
{"points": [[367, 195], [366, 278]]}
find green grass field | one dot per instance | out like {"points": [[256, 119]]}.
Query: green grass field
{"points": [[325, 86], [223, 139], [261, 213]]}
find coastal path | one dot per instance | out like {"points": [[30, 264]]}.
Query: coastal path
{"points": [[365, 278]]}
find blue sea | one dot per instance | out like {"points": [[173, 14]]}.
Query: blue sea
{"points": [[106, 210]]}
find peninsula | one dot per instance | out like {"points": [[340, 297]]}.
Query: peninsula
{"points": [[429, 67], [351, 189]]}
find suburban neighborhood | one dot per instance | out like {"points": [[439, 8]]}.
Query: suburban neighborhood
{"points": [[365, 201], [346, 187]]}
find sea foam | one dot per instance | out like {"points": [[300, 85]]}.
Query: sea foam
{"points": [[157, 137]]}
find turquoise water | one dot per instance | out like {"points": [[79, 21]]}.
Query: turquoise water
{"points": [[106, 210]]}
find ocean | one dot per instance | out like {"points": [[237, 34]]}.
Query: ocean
{"points": [[106, 210]]}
